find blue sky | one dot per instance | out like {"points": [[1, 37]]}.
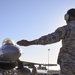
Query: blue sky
{"points": [[31, 19]]}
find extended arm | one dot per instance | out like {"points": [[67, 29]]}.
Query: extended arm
{"points": [[47, 39]]}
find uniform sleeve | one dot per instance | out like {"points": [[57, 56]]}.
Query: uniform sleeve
{"points": [[53, 37]]}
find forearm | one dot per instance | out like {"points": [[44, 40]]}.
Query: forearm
{"points": [[34, 42], [50, 38]]}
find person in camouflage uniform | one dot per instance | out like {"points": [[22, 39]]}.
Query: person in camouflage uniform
{"points": [[66, 33]]}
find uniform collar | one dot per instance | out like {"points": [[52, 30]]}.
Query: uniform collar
{"points": [[72, 22]]}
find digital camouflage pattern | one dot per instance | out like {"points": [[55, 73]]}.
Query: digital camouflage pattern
{"points": [[66, 58]]}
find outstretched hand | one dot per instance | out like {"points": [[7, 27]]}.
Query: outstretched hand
{"points": [[23, 43]]}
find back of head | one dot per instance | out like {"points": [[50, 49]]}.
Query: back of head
{"points": [[71, 12], [70, 15]]}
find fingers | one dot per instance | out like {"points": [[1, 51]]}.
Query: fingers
{"points": [[21, 42], [18, 42]]}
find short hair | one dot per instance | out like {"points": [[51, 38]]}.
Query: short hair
{"points": [[71, 12]]}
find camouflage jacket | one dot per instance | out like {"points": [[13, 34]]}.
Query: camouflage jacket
{"points": [[67, 35]]}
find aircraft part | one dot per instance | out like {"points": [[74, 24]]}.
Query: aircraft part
{"points": [[9, 52], [24, 71], [7, 66]]}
